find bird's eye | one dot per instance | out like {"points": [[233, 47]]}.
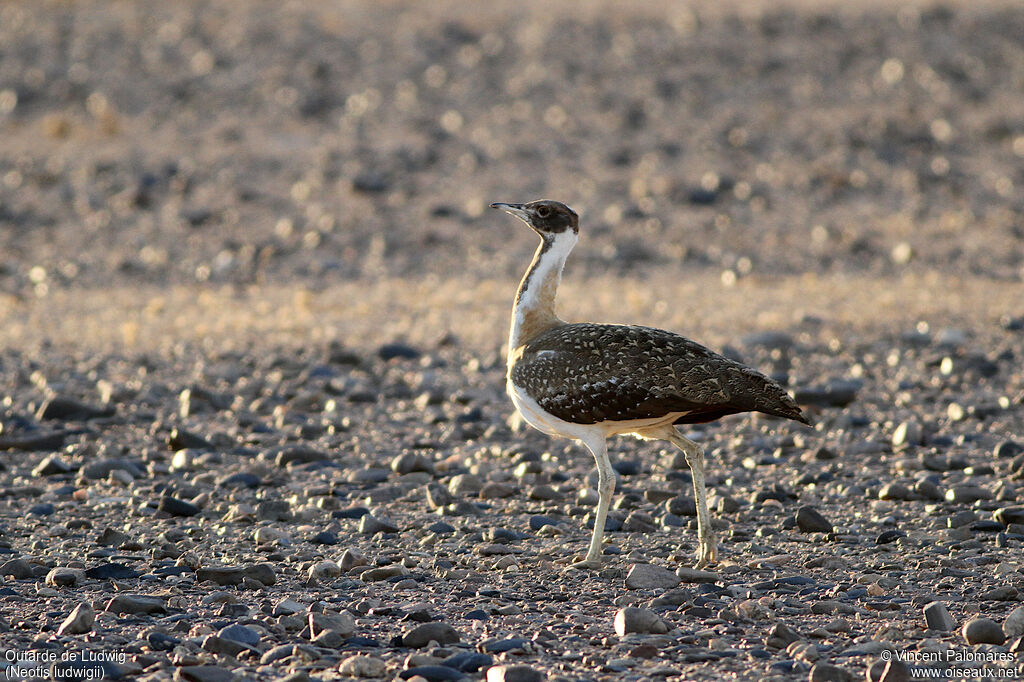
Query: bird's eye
{"points": [[543, 211]]}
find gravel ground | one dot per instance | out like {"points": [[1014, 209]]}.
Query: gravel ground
{"points": [[253, 422]]}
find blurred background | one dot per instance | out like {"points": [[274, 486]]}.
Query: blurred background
{"points": [[322, 169]]}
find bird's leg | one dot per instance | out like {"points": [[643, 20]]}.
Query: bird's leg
{"points": [[707, 549], [605, 489]]}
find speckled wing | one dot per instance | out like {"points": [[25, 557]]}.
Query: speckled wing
{"points": [[589, 373]]}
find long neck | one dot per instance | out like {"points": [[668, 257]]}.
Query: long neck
{"points": [[534, 310]]}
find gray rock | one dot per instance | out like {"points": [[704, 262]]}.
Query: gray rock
{"points": [[894, 670], [222, 575], [824, 672], [299, 455], [967, 494], [382, 573], [203, 673], [632, 619], [1013, 626], [65, 577], [216, 644], [351, 558], [1008, 515], [438, 496], [79, 621], [781, 636], [895, 491], [408, 462], [681, 505], [52, 466], [362, 666], [810, 520], [264, 573], [242, 634], [176, 507], [695, 575], [324, 570], [906, 434], [1001, 593], [368, 525], [936, 617], [650, 577], [133, 603], [422, 635], [68, 409], [343, 623], [514, 673], [465, 484], [100, 470], [983, 631], [19, 569]]}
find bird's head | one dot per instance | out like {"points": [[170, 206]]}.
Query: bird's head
{"points": [[547, 218]]}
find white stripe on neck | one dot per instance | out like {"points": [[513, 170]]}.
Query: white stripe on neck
{"points": [[546, 269]]}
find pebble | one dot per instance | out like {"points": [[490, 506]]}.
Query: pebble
{"points": [[433, 673], [176, 507], [695, 575], [131, 603], [1013, 626], [781, 636], [362, 666], [514, 673], [324, 570], [1008, 515], [52, 465], [810, 520], [369, 525], [19, 569], [632, 619], [937, 617], [203, 673], [983, 631], [422, 635], [967, 494], [650, 577], [906, 434], [65, 577], [79, 621], [63, 408]]}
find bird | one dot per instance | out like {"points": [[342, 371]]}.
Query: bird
{"points": [[589, 382]]}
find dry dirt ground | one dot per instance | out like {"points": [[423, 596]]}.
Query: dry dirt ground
{"points": [[253, 307]]}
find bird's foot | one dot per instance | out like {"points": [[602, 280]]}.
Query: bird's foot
{"points": [[707, 554], [585, 565]]}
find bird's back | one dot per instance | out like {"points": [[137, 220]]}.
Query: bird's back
{"points": [[591, 373]]}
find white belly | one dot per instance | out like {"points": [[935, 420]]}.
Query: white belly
{"points": [[541, 420]]}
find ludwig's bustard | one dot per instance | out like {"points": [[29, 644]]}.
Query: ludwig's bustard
{"points": [[591, 381]]}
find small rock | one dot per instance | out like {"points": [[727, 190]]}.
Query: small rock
{"points": [[432, 673], [781, 636], [203, 673], [983, 631], [176, 507], [65, 577], [79, 621], [650, 577], [906, 434], [465, 484], [681, 505], [408, 462], [112, 571], [1013, 626], [514, 673], [19, 569], [810, 520], [1008, 515], [438, 496], [69, 409], [633, 619], [131, 603], [240, 633], [422, 635], [52, 466], [382, 573], [824, 672], [895, 491], [694, 575], [893, 670], [1008, 449], [937, 617], [368, 525], [362, 666], [324, 570], [967, 494], [1001, 593], [351, 558]]}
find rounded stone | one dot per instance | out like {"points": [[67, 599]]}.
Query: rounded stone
{"points": [[983, 631]]}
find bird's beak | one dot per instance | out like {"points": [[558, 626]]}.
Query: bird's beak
{"points": [[518, 210]]}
